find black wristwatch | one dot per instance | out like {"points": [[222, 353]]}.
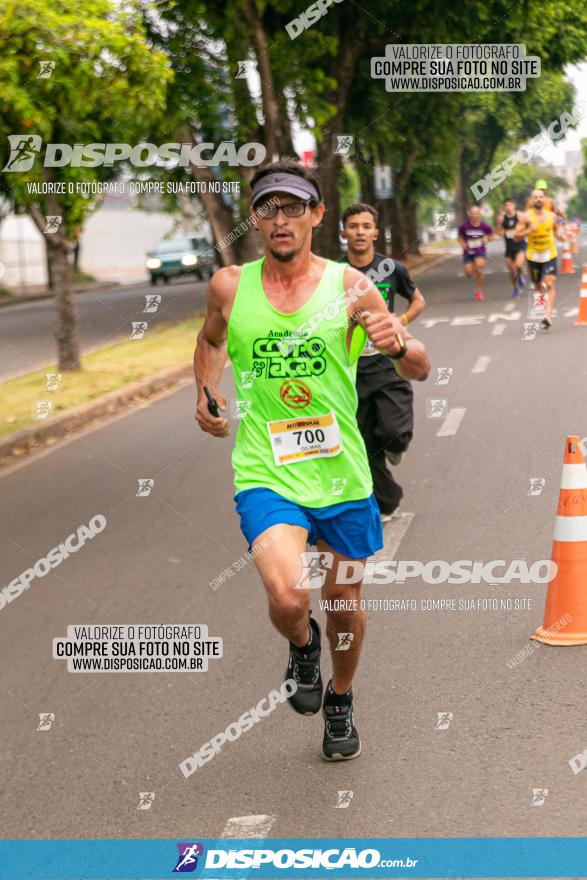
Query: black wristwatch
{"points": [[403, 350]]}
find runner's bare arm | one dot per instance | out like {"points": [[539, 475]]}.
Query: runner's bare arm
{"points": [[523, 228], [417, 305], [367, 307], [499, 228], [558, 229], [210, 353]]}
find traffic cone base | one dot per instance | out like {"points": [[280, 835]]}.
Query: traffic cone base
{"points": [[567, 267], [565, 612], [558, 639]]}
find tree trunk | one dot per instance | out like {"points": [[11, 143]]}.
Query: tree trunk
{"points": [[462, 193], [406, 237], [220, 217], [67, 327], [410, 214], [382, 206], [365, 170], [399, 244], [50, 282], [276, 139], [242, 245], [326, 239], [59, 247]]}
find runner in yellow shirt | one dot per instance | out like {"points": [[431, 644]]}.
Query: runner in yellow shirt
{"points": [[540, 227], [549, 204]]}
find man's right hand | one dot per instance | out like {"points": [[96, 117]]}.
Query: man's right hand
{"points": [[217, 426]]}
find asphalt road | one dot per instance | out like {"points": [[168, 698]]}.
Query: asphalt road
{"points": [[114, 735], [27, 329]]}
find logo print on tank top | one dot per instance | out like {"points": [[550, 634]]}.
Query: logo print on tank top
{"points": [[295, 394], [275, 359]]}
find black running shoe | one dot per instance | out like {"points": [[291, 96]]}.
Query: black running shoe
{"points": [[546, 323], [341, 740], [304, 668]]}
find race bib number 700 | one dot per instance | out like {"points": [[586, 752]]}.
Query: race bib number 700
{"points": [[296, 440]]}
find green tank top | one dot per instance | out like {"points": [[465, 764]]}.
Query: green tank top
{"points": [[295, 394]]}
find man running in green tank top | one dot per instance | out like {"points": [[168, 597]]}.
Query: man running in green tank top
{"points": [[294, 325]]}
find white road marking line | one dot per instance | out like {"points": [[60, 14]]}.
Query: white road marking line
{"points": [[509, 307], [481, 364], [475, 320], [505, 315], [467, 320], [451, 424], [394, 532], [431, 322], [498, 329], [248, 826]]}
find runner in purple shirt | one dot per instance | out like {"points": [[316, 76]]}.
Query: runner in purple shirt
{"points": [[472, 237]]}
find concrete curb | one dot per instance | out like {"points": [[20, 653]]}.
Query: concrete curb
{"points": [[435, 260], [35, 297], [60, 426]]}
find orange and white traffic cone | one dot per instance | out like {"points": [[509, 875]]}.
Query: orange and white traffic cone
{"points": [[567, 267], [574, 245], [582, 316], [565, 613]]}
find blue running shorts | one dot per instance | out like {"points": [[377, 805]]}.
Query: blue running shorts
{"points": [[471, 256], [352, 528]]}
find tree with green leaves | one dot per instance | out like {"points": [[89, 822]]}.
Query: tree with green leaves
{"points": [[520, 183], [497, 123], [71, 74], [432, 140], [577, 206], [211, 99]]}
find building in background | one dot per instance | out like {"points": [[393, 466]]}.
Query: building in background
{"points": [[113, 244], [573, 167]]}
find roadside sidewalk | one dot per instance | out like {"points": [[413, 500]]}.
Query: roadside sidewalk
{"points": [[38, 292], [425, 261], [43, 407], [32, 439]]}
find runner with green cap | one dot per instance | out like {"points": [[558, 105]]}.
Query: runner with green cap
{"points": [[294, 325], [549, 204]]}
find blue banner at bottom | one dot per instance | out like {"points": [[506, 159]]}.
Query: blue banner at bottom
{"points": [[244, 859]]}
